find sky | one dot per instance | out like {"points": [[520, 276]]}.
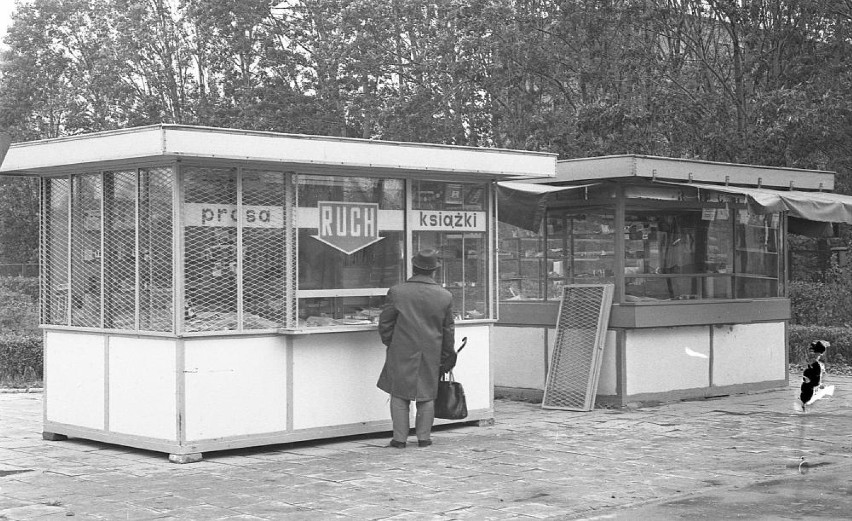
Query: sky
{"points": [[6, 8]]}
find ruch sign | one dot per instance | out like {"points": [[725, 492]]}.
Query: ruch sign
{"points": [[348, 227]]}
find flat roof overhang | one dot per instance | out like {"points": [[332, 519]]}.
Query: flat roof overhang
{"points": [[306, 154], [688, 170]]}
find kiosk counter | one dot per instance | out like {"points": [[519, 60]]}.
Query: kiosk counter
{"points": [[206, 289]]}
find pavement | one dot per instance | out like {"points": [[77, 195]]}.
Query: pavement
{"points": [[745, 456]]}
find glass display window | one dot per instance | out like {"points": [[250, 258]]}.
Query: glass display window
{"points": [[674, 248], [758, 262], [258, 250], [210, 248], [108, 254], [351, 247], [235, 266], [452, 219], [678, 254], [574, 247]]}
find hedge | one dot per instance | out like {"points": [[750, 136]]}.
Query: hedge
{"points": [[840, 338], [24, 285], [21, 358]]}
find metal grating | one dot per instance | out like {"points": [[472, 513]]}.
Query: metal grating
{"points": [[291, 243], [572, 378], [264, 270], [120, 250], [210, 249], [55, 287], [86, 197], [156, 293]]}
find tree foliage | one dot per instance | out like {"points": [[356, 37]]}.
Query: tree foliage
{"points": [[754, 81]]}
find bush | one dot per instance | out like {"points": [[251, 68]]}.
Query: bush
{"points": [[826, 303], [840, 338], [21, 359], [18, 304], [25, 285]]}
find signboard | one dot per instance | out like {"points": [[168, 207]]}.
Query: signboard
{"points": [[447, 221], [219, 215], [348, 227]]}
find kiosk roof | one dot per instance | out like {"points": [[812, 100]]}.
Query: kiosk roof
{"points": [[673, 169], [311, 154]]}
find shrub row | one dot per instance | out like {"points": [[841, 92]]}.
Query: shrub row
{"points": [[840, 338], [826, 303], [24, 285], [21, 358]]}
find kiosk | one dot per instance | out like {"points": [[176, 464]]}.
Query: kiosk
{"points": [[206, 289], [696, 253]]}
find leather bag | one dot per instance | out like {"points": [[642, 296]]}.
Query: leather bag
{"points": [[450, 403]]}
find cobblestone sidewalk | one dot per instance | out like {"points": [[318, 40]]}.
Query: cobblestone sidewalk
{"points": [[531, 464]]}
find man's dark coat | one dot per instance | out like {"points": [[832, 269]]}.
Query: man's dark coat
{"points": [[417, 325]]}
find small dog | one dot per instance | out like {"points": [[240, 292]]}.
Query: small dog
{"points": [[813, 385]]}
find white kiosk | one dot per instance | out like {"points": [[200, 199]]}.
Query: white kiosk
{"points": [[207, 289]]}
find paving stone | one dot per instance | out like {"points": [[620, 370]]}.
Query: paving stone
{"points": [[531, 464]]}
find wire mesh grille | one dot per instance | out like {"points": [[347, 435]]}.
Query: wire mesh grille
{"points": [[86, 251], [575, 363], [155, 222], [120, 250], [210, 249], [55, 287], [263, 247], [292, 253]]}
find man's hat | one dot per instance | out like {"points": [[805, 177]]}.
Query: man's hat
{"points": [[426, 260], [819, 346]]}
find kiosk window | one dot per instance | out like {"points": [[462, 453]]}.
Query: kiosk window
{"points": [[235, 267], [672, 251], [678, 255], [575, 248], [451, 218], [707, 253], [351, 237], [108, 257]]}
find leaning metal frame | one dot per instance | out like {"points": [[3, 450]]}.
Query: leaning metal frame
{"points": [[572, 380]]}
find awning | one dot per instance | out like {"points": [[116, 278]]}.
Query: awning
{"points": [[523, 204], [810, 206], [810, 213]]}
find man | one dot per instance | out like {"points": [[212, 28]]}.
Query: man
{"points": [[416, 324]]}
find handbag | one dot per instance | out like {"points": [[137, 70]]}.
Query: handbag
{"points": [[450, 403]]}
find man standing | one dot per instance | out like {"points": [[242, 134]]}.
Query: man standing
{"points": [[416, 324]]}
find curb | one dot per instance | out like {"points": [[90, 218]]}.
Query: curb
{"points": [[27, 390]]}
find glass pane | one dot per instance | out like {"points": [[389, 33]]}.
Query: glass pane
{"points": [[264, 266], [758, 264], [351, 238], [462, 271], [56, 285], [521, 254], [156, 292], [664, 244], [210, 243], [586, 254], [451, 218], [120, 250], [86, 251]]}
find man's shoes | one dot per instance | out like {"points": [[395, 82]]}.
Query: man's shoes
{"points": [[424, 443], [397, 444]]}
